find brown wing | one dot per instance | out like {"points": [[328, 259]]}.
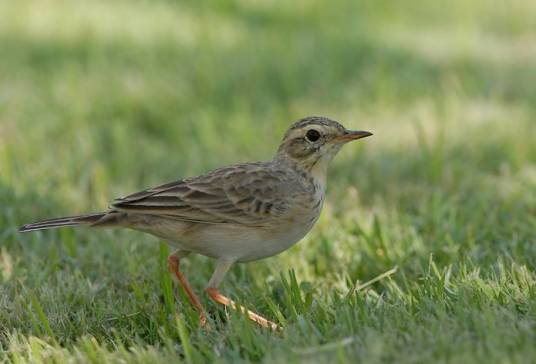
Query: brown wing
{"points": [[248, 194]]}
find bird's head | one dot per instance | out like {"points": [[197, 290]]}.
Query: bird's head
{"points": [[312, 142]]}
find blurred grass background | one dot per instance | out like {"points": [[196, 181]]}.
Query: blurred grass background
{"points": [[102, 98]]}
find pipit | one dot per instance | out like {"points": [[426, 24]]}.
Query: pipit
{"points": [[237, 213]]}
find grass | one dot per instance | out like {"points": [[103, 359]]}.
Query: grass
{"points": [[99, 99]]}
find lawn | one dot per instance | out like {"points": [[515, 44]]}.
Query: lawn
{"points": [[426, 247]]}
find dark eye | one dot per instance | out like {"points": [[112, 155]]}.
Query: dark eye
{"points": [[312, 135]]}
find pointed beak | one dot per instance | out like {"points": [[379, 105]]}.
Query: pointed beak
{"points": [[350, 135]]}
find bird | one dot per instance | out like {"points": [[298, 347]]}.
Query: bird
{"points": [[234, 214]]}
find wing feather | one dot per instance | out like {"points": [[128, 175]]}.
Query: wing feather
{"points": [[246, 194]]}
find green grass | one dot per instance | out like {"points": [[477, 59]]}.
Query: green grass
{"points": [[102, 98]]}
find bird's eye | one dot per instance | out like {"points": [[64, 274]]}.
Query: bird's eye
{"points": [[312, 135]]}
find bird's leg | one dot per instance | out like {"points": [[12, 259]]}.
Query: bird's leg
{"points": [[221, 268], [218, 297], [173, 265]]}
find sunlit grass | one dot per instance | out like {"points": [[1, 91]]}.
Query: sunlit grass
{"points": [[99, 99]]}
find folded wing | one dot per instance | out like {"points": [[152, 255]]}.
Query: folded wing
{"points": [[247, 194]]}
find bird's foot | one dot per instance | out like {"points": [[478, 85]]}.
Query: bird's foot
{"points": [[215, 295]]}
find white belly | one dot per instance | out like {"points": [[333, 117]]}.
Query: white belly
{"points": [[240, 243]]}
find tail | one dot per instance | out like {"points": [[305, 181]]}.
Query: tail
{"points": [[63, 221]]}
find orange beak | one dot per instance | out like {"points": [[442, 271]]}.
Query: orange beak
{"points": [[350, 135]]}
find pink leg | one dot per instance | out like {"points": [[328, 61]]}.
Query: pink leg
{"points": [[173, 265], [221, 268]]}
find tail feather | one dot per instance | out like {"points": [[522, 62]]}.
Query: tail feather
{"points": [[62, 221]]}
